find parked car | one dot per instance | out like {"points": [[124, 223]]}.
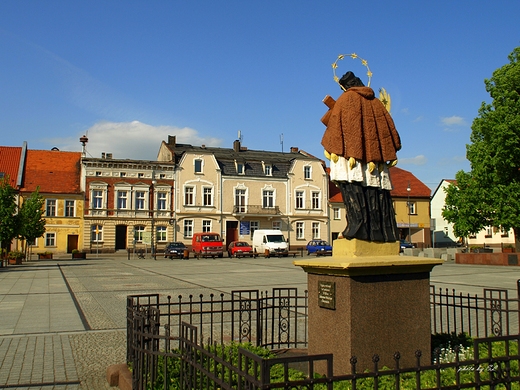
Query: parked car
{"points": [[319, 247], [207, 244], [239, 249], [175, 249], [405, 244]]}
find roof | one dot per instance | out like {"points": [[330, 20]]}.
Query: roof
{"points": [[10, 163], [254, 160], [54, 171], [447, 181], [400, 181]]}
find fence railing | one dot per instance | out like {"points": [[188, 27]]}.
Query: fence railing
{"points": [[183, 330]]}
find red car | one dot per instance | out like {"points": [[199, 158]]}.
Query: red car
{"points": [[239, 249]]}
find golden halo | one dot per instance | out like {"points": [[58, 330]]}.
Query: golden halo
{"points": [[353, 56]]}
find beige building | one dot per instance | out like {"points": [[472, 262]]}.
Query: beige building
{"points": [[236, 191]]}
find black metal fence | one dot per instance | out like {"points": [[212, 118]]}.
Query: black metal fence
{"points": [[173, 343]]}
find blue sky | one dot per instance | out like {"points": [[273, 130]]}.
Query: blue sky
{"points": [[130, 73]]}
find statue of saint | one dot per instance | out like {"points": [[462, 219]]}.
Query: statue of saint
{"points": [[361, 142]]}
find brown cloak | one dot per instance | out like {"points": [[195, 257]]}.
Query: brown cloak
{"points": [[360, 126]]}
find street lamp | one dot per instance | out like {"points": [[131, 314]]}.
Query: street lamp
{"points": [[154, 182], [408, 189]]}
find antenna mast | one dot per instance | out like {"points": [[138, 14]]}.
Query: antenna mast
{"points": [[281, 141]]}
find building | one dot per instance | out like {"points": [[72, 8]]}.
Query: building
{"points": [[56, 175], [234, 191], [411, 200], [125, 201], [443, 231]]}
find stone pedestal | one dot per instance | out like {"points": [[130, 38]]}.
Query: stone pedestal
{"points": [[361, 305]]}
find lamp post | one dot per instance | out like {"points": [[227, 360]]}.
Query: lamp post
{"points": [[153, 215], [408, 189]]}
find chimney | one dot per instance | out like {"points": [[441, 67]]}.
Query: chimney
{"points": [[171, 140], [236, 146], [294, 149], [102, 154], [109, 156]]}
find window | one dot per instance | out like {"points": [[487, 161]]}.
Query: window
{"points": [[267, 198], [277, 225], [315, 200], [299, 199], [254, 225], [189, 196], [197, 165], [140, 175], [268, 169], [70, 208], [138, 233], [206, 225], [336, 213], [240, 201], [489, 232], [412, 207], [162, 176], [307, 172], [315, 230], [188, 228], [207, 196], [122, 197], [50, 239], [96, 234], [299, 231], [161, 233], [98, 173], [50, 207], [241, 168], [161, 200], [122, 174], [504, 233], [97, 199], [140, 200]]}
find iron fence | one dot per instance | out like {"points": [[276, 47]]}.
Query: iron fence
{"points": [[180, 336]]}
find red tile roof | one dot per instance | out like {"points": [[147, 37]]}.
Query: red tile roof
{"points": [[400, 179], [10, 162], [53, 171]]}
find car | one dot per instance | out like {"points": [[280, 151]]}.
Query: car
{"points": [[319, 247], [405, 244], [239, 249], [175, 249]]}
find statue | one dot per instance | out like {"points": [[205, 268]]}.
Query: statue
{"points": [[361, 142]]}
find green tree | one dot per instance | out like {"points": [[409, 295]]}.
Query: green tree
{"points": [[489, 195], [32, 223], [8, 216]]}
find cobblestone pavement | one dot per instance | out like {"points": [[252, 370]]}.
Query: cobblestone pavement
{"points": [[63, 322]]}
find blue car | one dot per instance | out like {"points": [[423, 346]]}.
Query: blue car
{"points": [[405, 244], [319, 247]]}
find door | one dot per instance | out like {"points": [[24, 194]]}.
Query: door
{"points": [[121, 237], [231, 232], [72, 242]]}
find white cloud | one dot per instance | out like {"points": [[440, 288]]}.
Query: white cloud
{"points": [[453, 121], [132, 140], [417, 160]]}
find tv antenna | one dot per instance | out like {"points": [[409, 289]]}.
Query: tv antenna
{"points": [[240, 136], [281, 141]]}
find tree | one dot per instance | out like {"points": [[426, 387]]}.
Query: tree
{"points": [[489, 195], [8, 216], [32, 223]]}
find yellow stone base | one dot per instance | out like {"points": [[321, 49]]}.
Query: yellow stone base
{"points": [[359, 248]]}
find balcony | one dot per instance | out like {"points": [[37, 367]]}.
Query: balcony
{"points": [[256, 210]]}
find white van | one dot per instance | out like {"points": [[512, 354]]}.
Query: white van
{"points": [[270, 240]]}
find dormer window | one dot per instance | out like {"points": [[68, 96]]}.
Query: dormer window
{"points": [[268, 169], [240, 167]]}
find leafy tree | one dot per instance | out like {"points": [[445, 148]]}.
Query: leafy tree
{"points": [[489, 195], [32, 223], [8, 217]]}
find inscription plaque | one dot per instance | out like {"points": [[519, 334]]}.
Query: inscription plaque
{"points": [[327, 294]]}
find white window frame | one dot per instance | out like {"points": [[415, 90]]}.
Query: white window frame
{"points": [[96, 237], [240, 200], [307, 172], [206, 225], [97, 201], [198, 161], [299, 200], [162, 200], [138, 232], [254, 225], [69, 208], [241, 168], [300, 230], [51, 207], [140, 200], [207, 196], [412, 208], [315, 230], [268, 198], [336, 213], [277, 225], [316, 200], [188, 228], [50, 239], [268, 170], [122, 201], [161, 233], [189, 194]]}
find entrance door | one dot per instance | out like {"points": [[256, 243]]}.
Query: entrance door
{"points": [[72, 242], [121, 237], [231, 232]]}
